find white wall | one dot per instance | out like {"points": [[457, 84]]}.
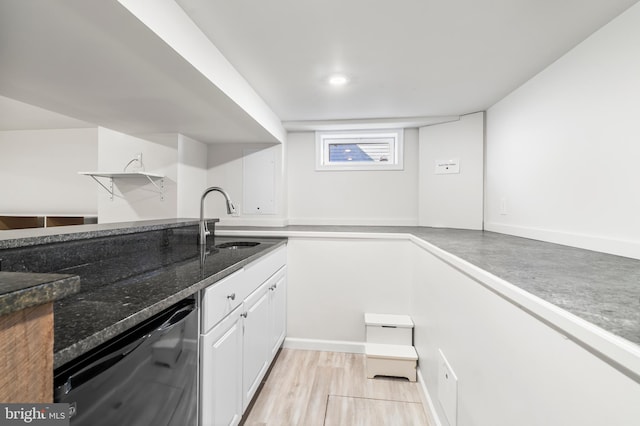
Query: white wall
{"points": [[192, 176], [350, 197], [332, 283], [136, 198], [563, 150], [452, 200], [226, 170], [39, 172], [512, 369]]}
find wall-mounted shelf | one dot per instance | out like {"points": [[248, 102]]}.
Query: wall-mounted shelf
{"points": [[151, 177]]}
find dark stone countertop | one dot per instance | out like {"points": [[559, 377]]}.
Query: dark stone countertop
{"points": [[126, 274], [86, 320], [20, 290], [600, 288]]}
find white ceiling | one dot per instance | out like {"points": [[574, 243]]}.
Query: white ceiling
{"points": [[406, 58], [95, 62]]}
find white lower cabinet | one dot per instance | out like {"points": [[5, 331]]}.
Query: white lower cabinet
{"points": [[237, 350], [277, 311], [221, 368], [256, 349]]}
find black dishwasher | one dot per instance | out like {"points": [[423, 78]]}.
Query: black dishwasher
{"points": [[146, 376]]}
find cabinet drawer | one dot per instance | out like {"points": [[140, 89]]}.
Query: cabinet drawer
{"points": [[262, 269], [220, 299]]}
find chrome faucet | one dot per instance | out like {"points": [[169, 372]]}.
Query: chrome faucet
{"points": [[204, 231]]}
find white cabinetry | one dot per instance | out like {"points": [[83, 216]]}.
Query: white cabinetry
{"points": [[221, 363], [256, 341], [243, 325], [265, 316], [278, 311]]}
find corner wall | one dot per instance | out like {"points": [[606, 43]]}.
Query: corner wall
{"points": [[183, 162], [228, 168], [563, 150], [192, 176], [452, 200]]}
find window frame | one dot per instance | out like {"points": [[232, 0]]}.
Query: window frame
{"points": [[325, 138]]}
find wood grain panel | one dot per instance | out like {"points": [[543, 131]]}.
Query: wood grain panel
{"points": [[20, 222], [64, 220], [26, 348]]}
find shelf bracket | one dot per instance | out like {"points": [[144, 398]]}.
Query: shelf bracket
{"points": [[109, 188], [160, 187]]}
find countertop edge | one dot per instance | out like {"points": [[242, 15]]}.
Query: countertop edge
{"points": [[43, 288], [618, 352]]}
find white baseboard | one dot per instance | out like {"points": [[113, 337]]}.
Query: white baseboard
{"points": [[428, 402], [408, 221], [324, 345], [588, 242], [253, 221]]}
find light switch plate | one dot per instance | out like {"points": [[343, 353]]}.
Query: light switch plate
{"points": [[447, 389], [445, 167]]}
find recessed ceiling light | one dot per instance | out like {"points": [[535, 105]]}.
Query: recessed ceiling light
{"points": [[338, 80]]}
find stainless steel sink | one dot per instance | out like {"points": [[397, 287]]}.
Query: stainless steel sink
{"points": [[234, 245]]}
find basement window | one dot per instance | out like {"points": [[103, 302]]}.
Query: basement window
{"points": [[360, 150]]}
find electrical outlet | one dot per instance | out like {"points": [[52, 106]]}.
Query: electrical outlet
{"points": [[503, 206], [447, 389]]}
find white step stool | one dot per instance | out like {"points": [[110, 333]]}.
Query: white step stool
{"points": [[389, 329], [391, 360], [389, 346]]}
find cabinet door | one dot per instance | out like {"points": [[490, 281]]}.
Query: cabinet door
{"points": [[256, 341], [277, 310], [221, 374]]}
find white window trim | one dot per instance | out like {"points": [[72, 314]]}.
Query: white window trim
{"points": [[324, 138]]}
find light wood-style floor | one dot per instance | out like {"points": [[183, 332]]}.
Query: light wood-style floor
{"points": [[309, 388]]}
